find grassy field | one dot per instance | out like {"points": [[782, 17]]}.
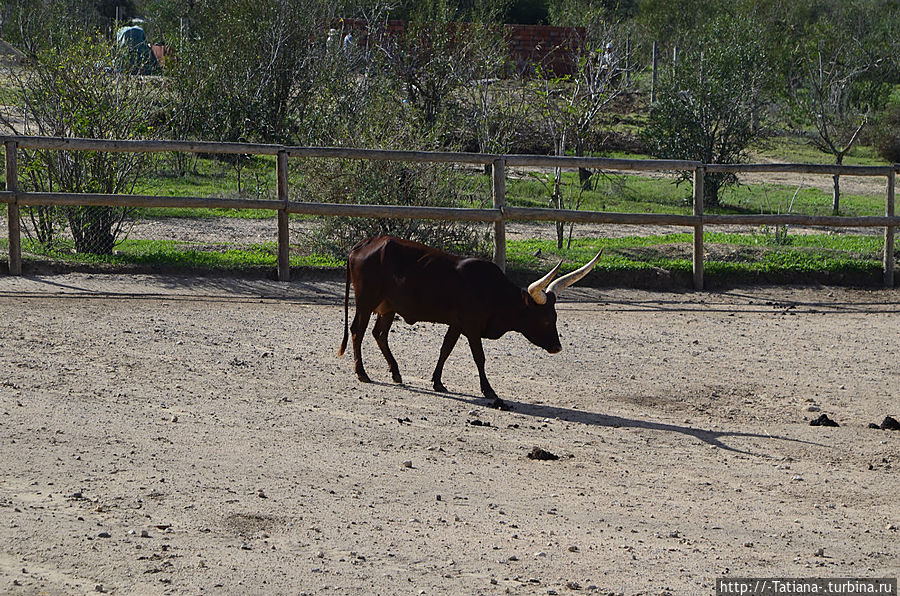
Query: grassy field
{"points": [[760, 254]]}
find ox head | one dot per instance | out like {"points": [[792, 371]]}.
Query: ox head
{"points": [[540, 329]]}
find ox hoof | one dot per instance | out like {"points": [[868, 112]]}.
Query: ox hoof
{"points": [[499, 404], [439, 387], [397, 378], [363, 378]]}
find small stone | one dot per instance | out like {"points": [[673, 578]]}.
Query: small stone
{"points": [[104, 535], [245, 546], [99, 588], [407, 463], [573, 549], [261, 494], [820, 552], [748, 544], [145, 534], [174, 418], [813, 408]]}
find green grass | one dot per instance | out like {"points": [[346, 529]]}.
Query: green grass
{"points": [[794, 149], [746, 254], [209, 178], [167, 253], [734, 254], [638, 194], [614, 193]]}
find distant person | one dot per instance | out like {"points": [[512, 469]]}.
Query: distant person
{"points": [[137, 57]]}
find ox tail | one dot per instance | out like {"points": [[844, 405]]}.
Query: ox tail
{"points": [[346, 311]]}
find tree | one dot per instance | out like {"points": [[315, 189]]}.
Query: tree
{"points": [[77, 92], [247, 69], [492, 107], [35, 25], [675, 21], [838, 81], [567, 106], [710, 100], [435, 56]]}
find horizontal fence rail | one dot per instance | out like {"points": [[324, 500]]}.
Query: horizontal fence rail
{"points": [[499, 214]]}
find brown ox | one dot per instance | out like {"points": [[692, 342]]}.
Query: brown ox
{"points": [[392, 276]]}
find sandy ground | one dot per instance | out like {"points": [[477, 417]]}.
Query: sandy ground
{"points": [[165, 435]]}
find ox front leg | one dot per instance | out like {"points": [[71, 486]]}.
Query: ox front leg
{"points": [[358, 329], [380, 333], [486, 389], [449, 341]]}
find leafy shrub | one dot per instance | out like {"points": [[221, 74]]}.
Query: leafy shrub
{"points": [[76, 91], [391, 183], [886, 133]]}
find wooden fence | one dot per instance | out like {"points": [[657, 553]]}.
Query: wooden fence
{"points": [[499, 214]]}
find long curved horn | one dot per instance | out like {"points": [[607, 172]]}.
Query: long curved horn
{"points": [[536, 289], [568, 279]]}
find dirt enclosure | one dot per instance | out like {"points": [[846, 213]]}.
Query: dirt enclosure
{"points": [[187, 436]]}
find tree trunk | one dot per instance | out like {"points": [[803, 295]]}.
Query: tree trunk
{"points": [[584, 175], [711, 185], [836, 196]]}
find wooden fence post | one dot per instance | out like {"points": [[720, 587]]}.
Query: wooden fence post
{"points": [[499, 180], [284, 237], [653, 78], [698, 229], [889, 232], [12, 212]]}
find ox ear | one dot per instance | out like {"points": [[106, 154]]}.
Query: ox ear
{"points": [[536, 289], [568, 279]]}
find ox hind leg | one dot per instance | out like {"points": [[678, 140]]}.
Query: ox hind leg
{"points": [[380, 332], [357, 330]]}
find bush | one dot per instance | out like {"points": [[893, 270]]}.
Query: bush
{"points": [[709, 100], [391, 183], [77, 92], [886, 134]]}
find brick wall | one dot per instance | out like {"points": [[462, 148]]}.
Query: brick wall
{"points": [[552, 47]]}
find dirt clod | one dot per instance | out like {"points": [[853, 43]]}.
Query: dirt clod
{"points": [[890, 423], [541, 454], [823, 420]]}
